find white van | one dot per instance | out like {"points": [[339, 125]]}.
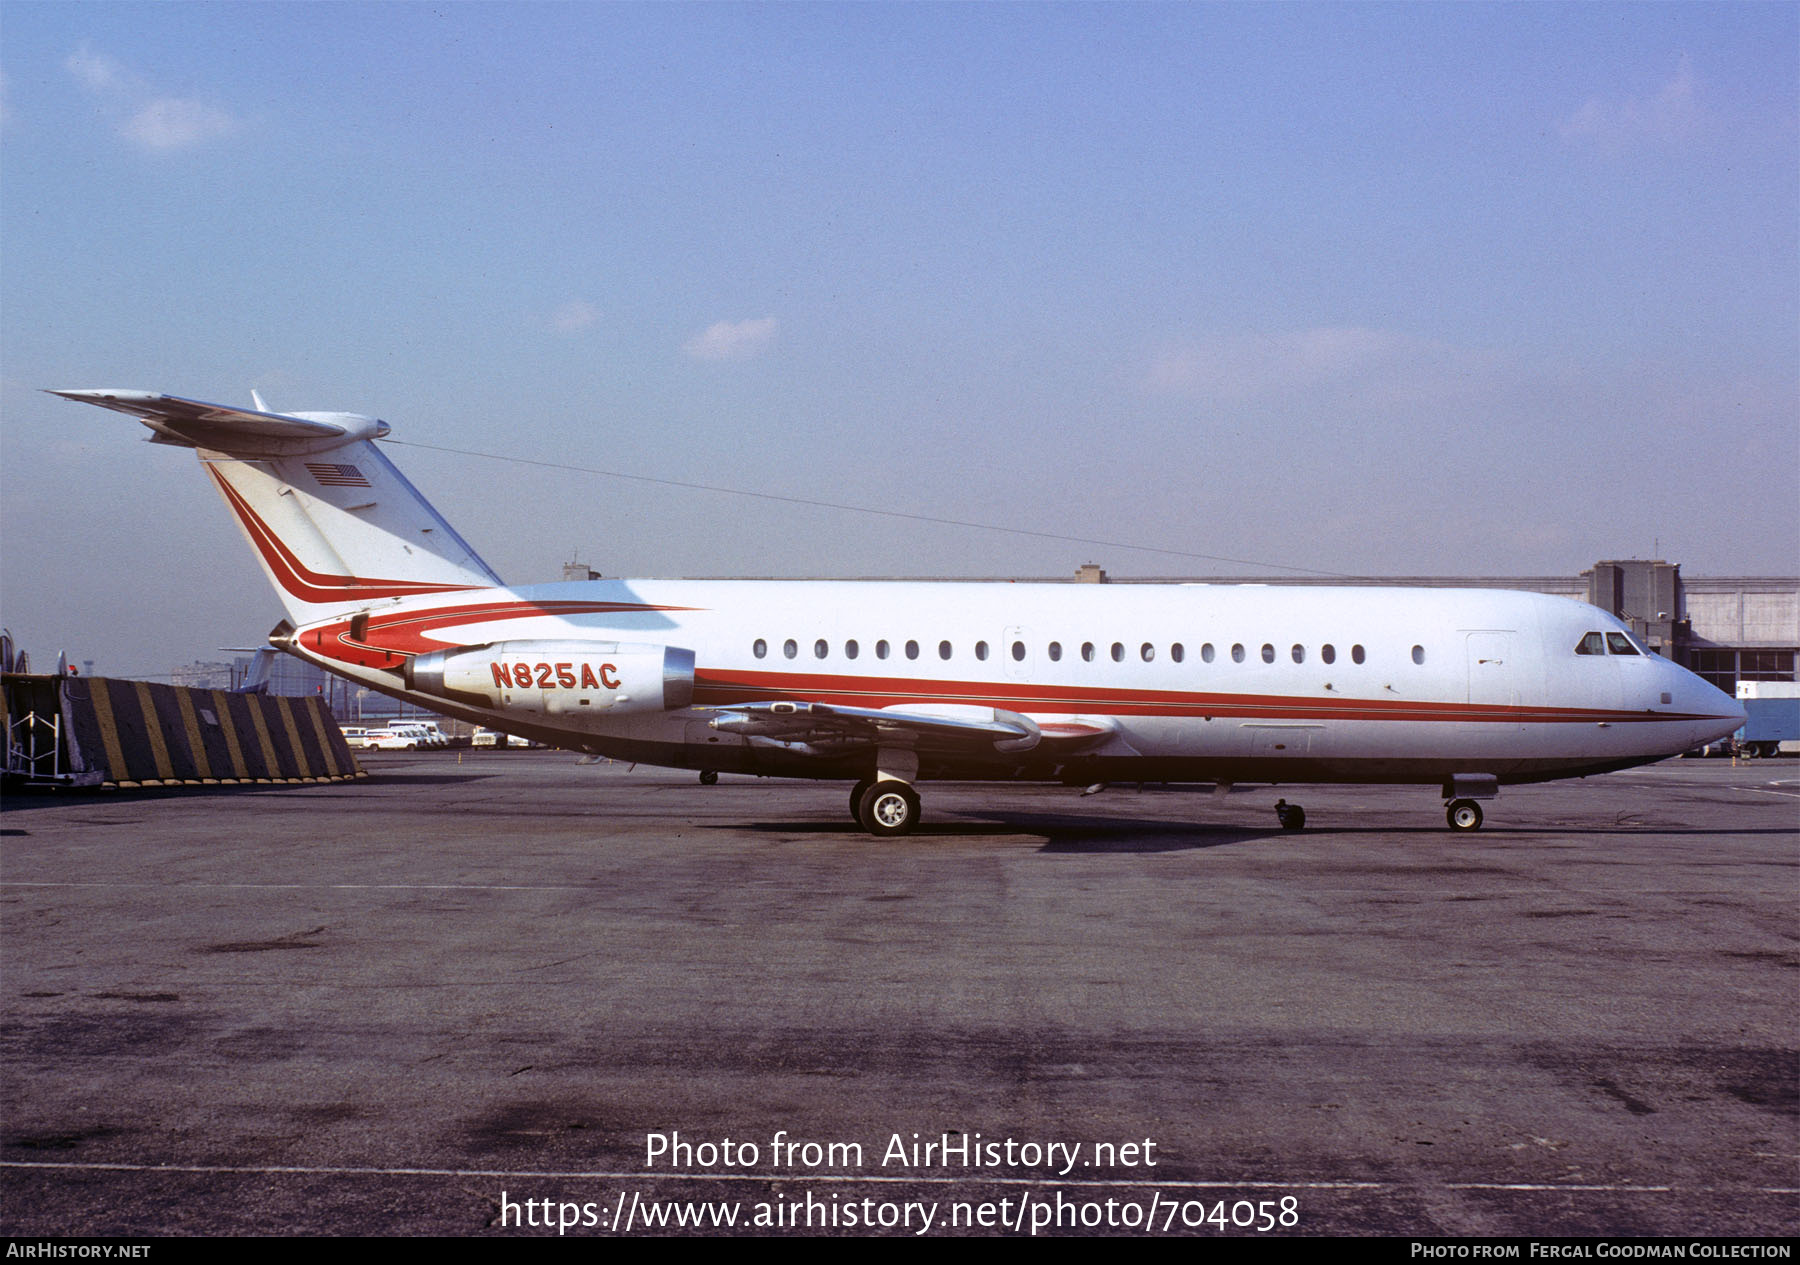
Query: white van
{"points": [[407, 735], [494, 738]]}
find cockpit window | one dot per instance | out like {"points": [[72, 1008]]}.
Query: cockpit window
{"points": [[1619, 643], [1592, 643]]}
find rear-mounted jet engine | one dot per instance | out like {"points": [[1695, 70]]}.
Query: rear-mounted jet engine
{"points": [[558, 678]]}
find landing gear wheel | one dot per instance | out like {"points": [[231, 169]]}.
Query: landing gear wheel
{"points": [[856, 794], [1291, 816], [1463, 814], [889, 808], [709, 777]]}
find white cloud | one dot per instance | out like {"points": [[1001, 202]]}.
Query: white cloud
{"points": [[158, 124], [733, 340], [573, 316], [1672, 114], [176, 123], [99, 73]]}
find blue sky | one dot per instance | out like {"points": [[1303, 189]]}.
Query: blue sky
{"points": [[1374, 289]]}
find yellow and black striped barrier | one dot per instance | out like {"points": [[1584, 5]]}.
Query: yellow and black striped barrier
{"points": [[133, 733]]}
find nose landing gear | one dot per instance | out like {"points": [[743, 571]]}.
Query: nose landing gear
{"points": [[1462, 790], [1463, 814]]}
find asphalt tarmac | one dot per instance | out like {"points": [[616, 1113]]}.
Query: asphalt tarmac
{"points": [[480, 993]]}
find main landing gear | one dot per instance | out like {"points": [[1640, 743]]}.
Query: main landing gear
{"points": [[885, 807], [885, 804], [1291, 816]]}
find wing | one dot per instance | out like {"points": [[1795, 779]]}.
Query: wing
{"points": [[946, 730]]}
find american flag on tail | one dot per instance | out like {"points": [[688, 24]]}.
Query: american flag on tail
{"points": [[334, 475]]}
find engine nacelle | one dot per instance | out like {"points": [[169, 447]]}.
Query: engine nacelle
{"points": [[558, 678]]}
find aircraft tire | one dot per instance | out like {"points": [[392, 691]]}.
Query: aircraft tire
{"points": [[1463, 815], [1291, 816], [856, 794], [888, 808], [709, 777]]}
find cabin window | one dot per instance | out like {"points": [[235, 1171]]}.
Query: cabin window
{"points": [[981, 651], [1206, 652], [760, 649], [1299, 653], [943, 650], [1591, 643], [820, 649], [850, 649], [790, 648], [1356, 654], [1087, 652], [1018, 652], [1418, 654], [881, 649], [1118, 652], [1619, 643], [1328, 653], [912, 649], [1177, 653], [1055, 652], [1237, 652], [1146, 652], [1268, 653]]}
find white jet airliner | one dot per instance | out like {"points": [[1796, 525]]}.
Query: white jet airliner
{"points": [[888, 684]]}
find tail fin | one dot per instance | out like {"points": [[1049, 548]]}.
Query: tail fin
{"points": [[334, 524]]}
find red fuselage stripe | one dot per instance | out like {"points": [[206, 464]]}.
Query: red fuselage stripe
{"points": [[408, 632]]}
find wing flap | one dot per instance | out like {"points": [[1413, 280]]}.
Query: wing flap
{"points": [[968, 730]]}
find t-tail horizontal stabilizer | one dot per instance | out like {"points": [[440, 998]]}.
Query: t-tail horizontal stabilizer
{"points": [[336, 526], [237, 431]]}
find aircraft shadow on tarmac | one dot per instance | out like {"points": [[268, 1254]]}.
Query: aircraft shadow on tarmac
{"points": [[1060, 832], [1078, 834], [1071, 833]]}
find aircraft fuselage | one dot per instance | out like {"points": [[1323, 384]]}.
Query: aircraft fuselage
{"points": [[1166, 682]]}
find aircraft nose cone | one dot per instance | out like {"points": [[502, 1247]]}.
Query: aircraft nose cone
{"points": [[1712, 701], [1739, 713]]}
